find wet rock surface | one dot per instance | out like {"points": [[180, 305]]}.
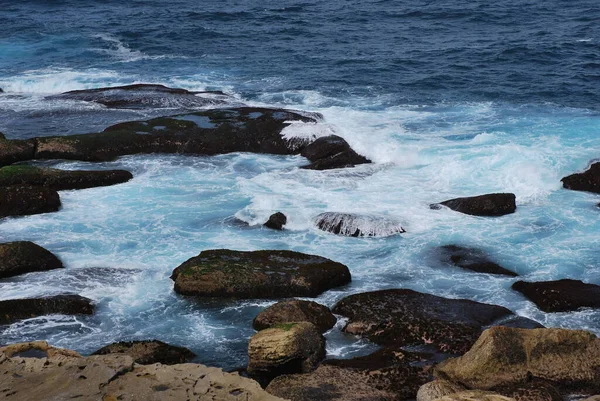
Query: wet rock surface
{"points": [[588, 181], [24, 257], [561, 295], [13, 310], [331, 152], [356, 225], [295, 310], [276, 221], [149, 352], [483, 205], [13, 151], [259, 274], [472, 259], [25, 200]]}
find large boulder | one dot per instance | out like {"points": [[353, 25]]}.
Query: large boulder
{"points": [[357, 225], [21, 200], [59, 180], [401, 317], [482, 205], [149, 352], [276, 221], [36, 371], [13, 310], [24, 257], [505, 357], [472, 259], [283, 349], [561, 295], [386, 375], [331, 152], [258, 274], [295, 310], [13, 151], [587, 181]]}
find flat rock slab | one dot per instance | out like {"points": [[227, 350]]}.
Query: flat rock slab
{"points": [[587, 181], [401, 317], [13, 310], [59, 180], [258, 274], [24, 257], [560, 296], [472, 259], [295, 310], [13, 151], [149, 352], [331, 152], [357, 225], [483, 205], [24, 200]]}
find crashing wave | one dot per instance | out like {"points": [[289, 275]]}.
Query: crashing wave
{"points": [[357, 225]]}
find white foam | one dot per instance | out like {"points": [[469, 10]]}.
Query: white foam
{"points": [[299, 133]]}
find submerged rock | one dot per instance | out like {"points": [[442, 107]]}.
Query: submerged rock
{"points": [[354, 225], [276, 221], [59, 180], [561, 295], [66, 375], [401, 317], [482, 205], [13, 151], [587, 181], [24, 257], [258, 274], [504, 357], [283, 349], [13, 310], [472, 259], [149, 352], [145, 96], [331, 152], [21, 200], [295, 310]]}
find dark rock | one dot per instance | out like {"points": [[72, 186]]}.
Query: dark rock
{"points": [[24, 257], [295, 310], [276, 221], [2, 136], [386, 375], [471, 259], [208, 132], [13, 310], [331, 152], [13, 151], [482, 205], [354, 225], [1, 90], [535, 390], [145, 96], [27, 200], [560, 296], [401, 317], [258, 274], [59, 180], [149, 352], [587, 181]]}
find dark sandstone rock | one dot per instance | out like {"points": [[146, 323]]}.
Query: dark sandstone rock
{"points": [[401, 317], [27, 200], [13, 151], [59, 180], [295, 310], [331, 152], [13, 310], [149, 352], [258, 274], [482, 205], [276, 221], [355, 225], [587, 181], [561, 295], [24, 257], [472, 259], [386, 375]]}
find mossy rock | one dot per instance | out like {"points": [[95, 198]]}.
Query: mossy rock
{"points": [[24, 200], [24, 257], [13, 151], [295, 310]]}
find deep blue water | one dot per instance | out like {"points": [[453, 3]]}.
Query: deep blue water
{"points": [[447, 98]]}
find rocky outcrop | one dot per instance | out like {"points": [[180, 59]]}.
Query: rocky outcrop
{"points": [[437, 389], [482, 205], [388, 374], [276, 221], [143, 96], [59, 180], [24, 257], [475, 395], [561, 295], [57, 374], [355, 225], [283, 349], [587, 181], [402, 317], [13, 310], [295, 310], [472, 259], [21, 200], [149, 352], [13, 151], [331, 152], [258, 274], [506, 357]]}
